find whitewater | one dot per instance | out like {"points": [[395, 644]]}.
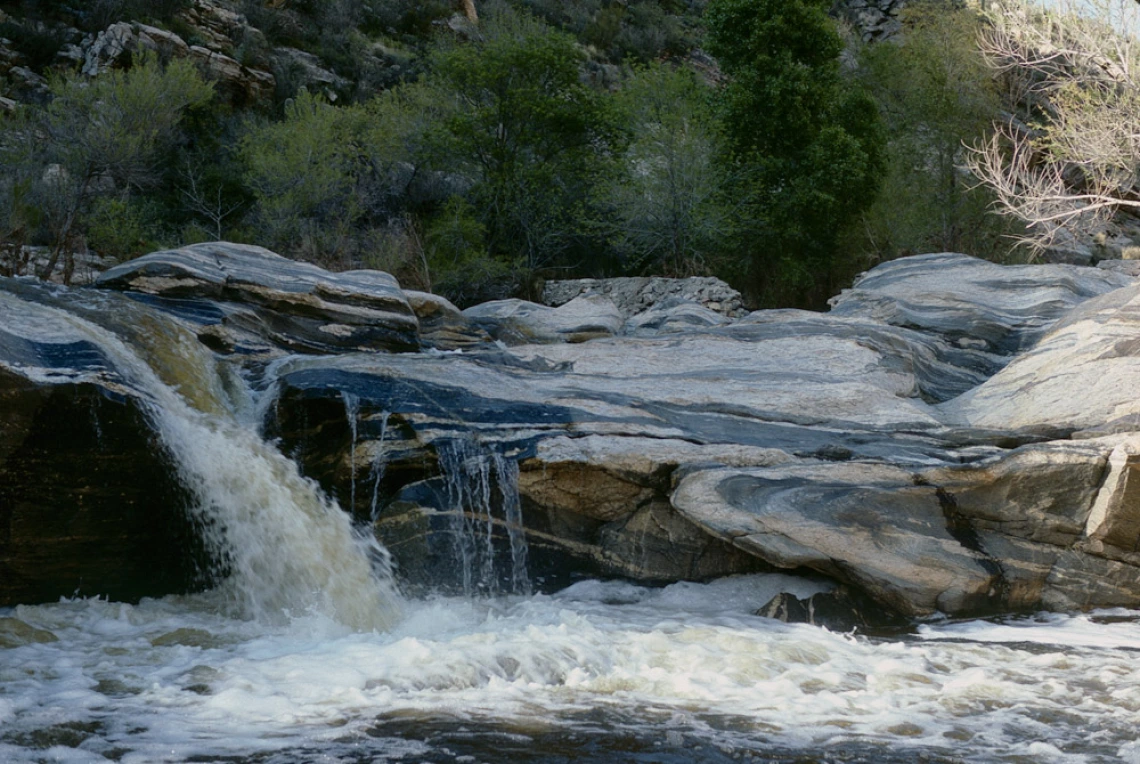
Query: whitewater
{"points": [[306, 651]]}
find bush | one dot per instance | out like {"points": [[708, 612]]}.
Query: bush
{"points": [[123, 227], [670, 215], [937, 96], [301, 172], [534, 138], [98, 138]]}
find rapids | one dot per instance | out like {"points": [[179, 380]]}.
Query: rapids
{"points": [[599, 672], [306, 653]]}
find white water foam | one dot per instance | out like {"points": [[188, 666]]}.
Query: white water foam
{"points": [[171, 679], [287, 547]]}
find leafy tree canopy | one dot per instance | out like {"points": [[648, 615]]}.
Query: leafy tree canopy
{"points": [[804, 141]]}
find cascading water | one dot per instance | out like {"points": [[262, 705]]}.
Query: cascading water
{"points": [[379, 467], [598, 673], [473, 474], [288, 549]]}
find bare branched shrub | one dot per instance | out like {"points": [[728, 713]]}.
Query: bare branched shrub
{"points": [[1070, 157]]}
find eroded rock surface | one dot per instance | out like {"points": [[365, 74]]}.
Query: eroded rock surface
{"points": [[293, 305], [954, 436]]}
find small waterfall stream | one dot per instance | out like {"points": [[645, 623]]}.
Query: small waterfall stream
{"points": [[599, 672], [480, 480]]}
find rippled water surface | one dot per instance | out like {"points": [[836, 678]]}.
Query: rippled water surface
{"points": [[601, 672]]}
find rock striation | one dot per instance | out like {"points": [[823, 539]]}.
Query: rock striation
{"points": [[236, 290], [953, 436]]}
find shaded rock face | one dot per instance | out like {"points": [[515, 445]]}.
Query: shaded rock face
{"points": [[89, 502], [114, 46], [914, 446]]}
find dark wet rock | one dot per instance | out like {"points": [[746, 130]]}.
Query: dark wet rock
{"points": [[841, 609], [89, 502], [299, 306]]}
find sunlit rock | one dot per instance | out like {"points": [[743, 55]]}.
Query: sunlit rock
{"points": [[298, 306]]}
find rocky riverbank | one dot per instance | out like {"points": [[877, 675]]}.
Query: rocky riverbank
{"points": [[952, 436]]}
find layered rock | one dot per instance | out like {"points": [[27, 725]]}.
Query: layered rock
{"points": [[251, 291], [114, 46], [89, 503], [954, 436], [634, 295]]}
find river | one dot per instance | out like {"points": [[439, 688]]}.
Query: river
{"points": [[599, 672], [308, 653]]}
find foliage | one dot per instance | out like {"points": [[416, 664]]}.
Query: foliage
{"points": [[937, 96], [532, 137], [122, 226], [301, 172], [1069, 159], [804, 143], [642, 30], [99, 138], [670, 214]]}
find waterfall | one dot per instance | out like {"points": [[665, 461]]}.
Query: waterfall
{"points": [[471, 474], [287, 547], [379, 467], [352, 414]]}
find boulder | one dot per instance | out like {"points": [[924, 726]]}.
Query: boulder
{"points": [[633, 295], [294, 305], [112, 47], [673, 315], [517, 322], [971, 302], [442, 325], [1082, 375]]}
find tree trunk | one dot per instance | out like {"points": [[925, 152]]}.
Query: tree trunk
{"points": [[469, 10]]}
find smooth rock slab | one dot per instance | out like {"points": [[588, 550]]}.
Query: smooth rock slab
{"points": [[860, 523], [972, 302], [302, 307], [1084, 375]]}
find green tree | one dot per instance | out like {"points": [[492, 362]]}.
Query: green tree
{"points": [[670, 215], [303, 173], [529, 134], [937, 95], [110, 136], [804, 142]]}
